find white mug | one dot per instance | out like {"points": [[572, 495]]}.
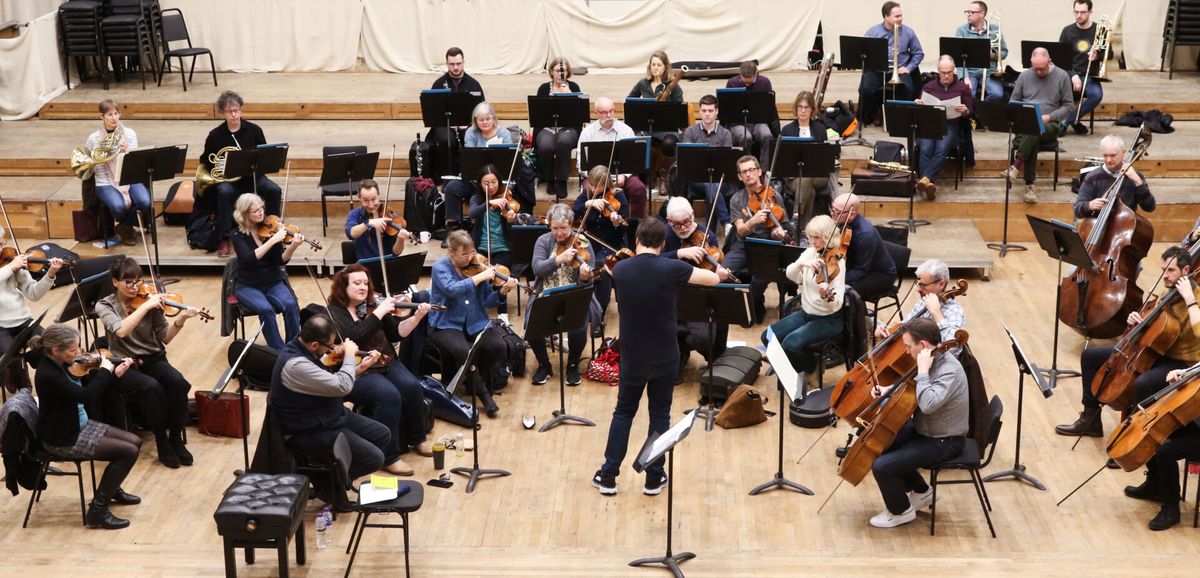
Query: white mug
{"points": [[424, 236]]}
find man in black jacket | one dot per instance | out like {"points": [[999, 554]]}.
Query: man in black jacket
{"points": [[456, 79]]}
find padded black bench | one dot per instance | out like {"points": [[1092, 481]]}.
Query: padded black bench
{"points": [[263, 511]]}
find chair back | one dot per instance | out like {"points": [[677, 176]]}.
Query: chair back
{"points": [[900, 257], [229, 315], [991, 429], [341, 189], [857, 333], [174, 28]]}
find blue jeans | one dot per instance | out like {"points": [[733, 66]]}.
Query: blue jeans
{"points": [[801, 329], [896, 470], [711, 195], [394, 399], [659, 383], [1092, 95], [266, 301], [139, 200], [995, 87], [367, 439], [228, 193], [934, 152]]}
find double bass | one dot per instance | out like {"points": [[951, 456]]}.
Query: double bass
{"points": [[1097, 304]]}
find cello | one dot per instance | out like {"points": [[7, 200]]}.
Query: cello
{"points": [[1096, 304], [1141, 433]]}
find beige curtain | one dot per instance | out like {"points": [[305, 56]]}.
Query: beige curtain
{"points": [[26, 10], [30, 70]]}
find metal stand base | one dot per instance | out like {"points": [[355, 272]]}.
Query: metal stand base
{"points": [[475, 474], [708, 413], [779, 481], [1017, 473], [1053, 374], [562, 417], [671, 562]]}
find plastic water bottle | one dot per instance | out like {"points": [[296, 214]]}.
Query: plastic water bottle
{"points": [[459, 444], [323, 518]]}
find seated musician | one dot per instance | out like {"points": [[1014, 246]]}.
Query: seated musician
{"points": [[467, 299], [822, 292], [756, 224], [1085, 63], [1050, 87], [1177, 265], [1162, 471], [445, 144], [680, 244], [869, 267], [946, 86], [262, 282], [1134, 192], [554, 144], [387, 391], [244, 135], [872, 85], [937, 431], [123, 202], [606, 233], [17, 285], [653, 86], [933, 278], [977, 26], [708, 130], [63, 425], [808, 126], [554, 268], [366, 226], [493, 222], [606, 128], [484, 131], [143, 332], [755, 136], [307, 398]]}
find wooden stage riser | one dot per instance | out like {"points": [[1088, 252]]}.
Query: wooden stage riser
{"points": [[412, 111]]}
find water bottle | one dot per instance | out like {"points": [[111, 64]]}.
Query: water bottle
{"points": [[323, 518], [458, 444]]}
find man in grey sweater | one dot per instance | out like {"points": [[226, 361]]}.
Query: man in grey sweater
{"points": [[1050, 87], [936, 433]]}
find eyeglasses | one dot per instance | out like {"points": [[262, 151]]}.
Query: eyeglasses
{"points": [[923, 284], [970, 12], [466, 255], [748, 171], [234, 109], [606, 112], [132, 284], [682, 224]]}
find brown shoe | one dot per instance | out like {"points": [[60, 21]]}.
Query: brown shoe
{"points": [[127, 235], [1088, 424], [398, 468], [424, 448], [927, 188], [224, 249]]}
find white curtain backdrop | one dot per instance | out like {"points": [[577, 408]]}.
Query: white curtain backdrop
{"points": [[26, 10], [30, 70]]}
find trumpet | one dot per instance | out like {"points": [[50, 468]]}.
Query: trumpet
{"points": [[893, 167], [1100, 45], [208, 177], [84, 161], [896, 57]]}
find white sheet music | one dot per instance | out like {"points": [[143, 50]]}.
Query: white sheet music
{"points": [[672, 436], [788, 375], [951, 104]]}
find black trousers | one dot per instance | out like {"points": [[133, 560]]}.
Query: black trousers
{"points": [[160, 391], [735, 260], [554, 153], [871, 90], [1146, 384], [1163, 468], [694, 336], [454, 345], [445, 150]]}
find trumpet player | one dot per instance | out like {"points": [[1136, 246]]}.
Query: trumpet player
{"points": [[241, 134], [1081, 35], [906, 54], [123, 202], [978, 26]]}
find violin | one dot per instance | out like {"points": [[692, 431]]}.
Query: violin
{"points": [[1147, 426], [610, 262], [479, 264], [829, 267], [612, 206], [272, 224], [395, 223], [765, 199], [511, 206], [89, 362], [712, 254], [172, 303], [894, 409], [403, 306], [583, 249], [336, 356], [36, 260]]}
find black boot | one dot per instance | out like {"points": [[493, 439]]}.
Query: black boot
{"points": [[1167, 516], [98, 515], [485, 398], [1088, 424], [1147, 491], [123, 498], [185, 457], [166, 452]]}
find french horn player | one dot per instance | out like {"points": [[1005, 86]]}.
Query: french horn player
{"points": [[101, 158]]}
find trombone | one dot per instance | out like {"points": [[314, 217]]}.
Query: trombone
{"points": [[1101, 46], [896, 57]]}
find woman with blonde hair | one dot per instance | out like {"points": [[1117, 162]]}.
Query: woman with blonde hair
{"points": [[262, 283]]}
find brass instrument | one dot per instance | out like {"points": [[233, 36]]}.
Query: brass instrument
{"points": [[208, 177], [824, 71], [84, 161], [896, 57], [1107, 26], [893, 167], [1100, 45], [996, 45]]}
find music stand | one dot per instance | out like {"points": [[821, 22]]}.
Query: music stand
{"points": [[235, 370], [729, 304], [800, 157], [699, 162], [1060, 52], [473, 159], [654, 448], [441, 107], [1061, 242], [866, 54], [473, 473], [767, 259], [18, 343], [1024, 367], [403, 271], [250, 163], [347, 167], [555, 312], [1012, 118], [522, 239], [911, 122], [971, 52], [631, 157], [90, 290], [148, 165], [790, 382], [559, 111], [746, 107]]}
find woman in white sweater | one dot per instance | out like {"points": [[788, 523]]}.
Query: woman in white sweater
{"points": [[17, 285]]}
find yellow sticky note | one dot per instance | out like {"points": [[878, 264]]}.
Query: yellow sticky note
{"points": [[384, 482]]}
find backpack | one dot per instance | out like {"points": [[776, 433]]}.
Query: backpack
{"points": [[202, 231], [516, 349], [839, 117], [417, 191]]}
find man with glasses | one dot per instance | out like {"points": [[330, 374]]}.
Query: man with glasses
{"points": [[977, 26], [933, 276], [754, 224], [934, 152], [681, 221], [869, 267], [708, 131], [606, 128], [1086, 62]]}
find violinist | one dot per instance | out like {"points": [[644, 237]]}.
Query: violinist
{"points": [[17, 285], [683, 242], [559, 259], [262, 283], [136, 327], [1162, 471], [597, 199], [123, 202], [822, 291], [755, 209], [869, 267], [364, 220], [65, 428], [389, 393], [937, 431], [606, 128], [484, 131], [493, 210], [554, 144], [467, 296], [1134, 190], [1177, 266], [933, 277]]}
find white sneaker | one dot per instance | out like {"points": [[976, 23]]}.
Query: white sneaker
{"points": [[1011, 173], [921, 501], [1030, 194], [503, 317], [886, 519]]}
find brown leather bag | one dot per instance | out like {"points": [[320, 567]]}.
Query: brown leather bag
{"points": [[221, 416], [744, 408]]}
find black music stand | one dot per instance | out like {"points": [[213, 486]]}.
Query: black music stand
{"points": [[403, 271], [556, 312], [869, 55], [632, 155], [654, 448], [651, 116], [1012, 118], [729, 304], [970, 52], [148, 165], [1061, 242], [473, 473], [264, 160], [1062, 54], [18, 343], [235, 370], [746, 107], [767, 259], [91, 289], [347, 167], [911, 122], [441, 107], [473, 159], [558, 111], [522, 239], [1024, 367], [790, 382], [699, 162], [801, 157]]}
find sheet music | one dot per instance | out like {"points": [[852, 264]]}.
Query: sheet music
{"points": [[788, 375], [369, 494], [950, 104], [673, 435]]}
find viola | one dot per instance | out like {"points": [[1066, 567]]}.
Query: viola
{"points": [[583, 249], [894, 409], [172, 303], [713, 256], [89, 362], [272, 224], [765, 199], [1139, 436], [36, 260], [479, 264]]}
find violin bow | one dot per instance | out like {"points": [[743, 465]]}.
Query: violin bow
{"points": [[7, 223], [387, 196], [283, 204], [711, 213], [146, 247], [324, 299]]}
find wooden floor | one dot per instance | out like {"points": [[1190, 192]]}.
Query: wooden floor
{"points": [[546, 520]]}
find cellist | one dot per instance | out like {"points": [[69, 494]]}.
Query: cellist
{"points": [[1177, 265], [937, 431], [932, 278], [1162, 471]]}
